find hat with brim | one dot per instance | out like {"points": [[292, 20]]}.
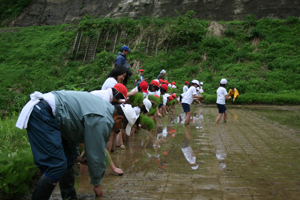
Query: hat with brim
{"points": [[126, 48], [130, 116], [165, 87], [122, 89], [144, 86], [195, 82], [223, 81], [147, 104]]}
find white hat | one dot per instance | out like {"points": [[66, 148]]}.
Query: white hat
{"points": [[163, 71], [147, 104], [223, 81], [130, 116], [197, 88], [201, 83], [195, 81]]}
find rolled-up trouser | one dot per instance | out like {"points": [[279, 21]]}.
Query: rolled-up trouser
{"points": [[51, 153]]}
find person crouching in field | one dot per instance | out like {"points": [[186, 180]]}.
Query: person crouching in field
{"points": [[222, 96], [188, 98], [233, 93]]}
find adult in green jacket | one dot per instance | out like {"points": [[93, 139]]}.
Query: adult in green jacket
{"points": [[57, 120]]}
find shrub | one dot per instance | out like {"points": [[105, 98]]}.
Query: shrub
{"points": [[256, 33]]}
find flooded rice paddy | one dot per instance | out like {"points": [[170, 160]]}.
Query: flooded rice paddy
{"points": [[255, 155]]}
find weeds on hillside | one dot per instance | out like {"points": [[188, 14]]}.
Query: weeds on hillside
{"points": [[16, 162], [41, 58]]}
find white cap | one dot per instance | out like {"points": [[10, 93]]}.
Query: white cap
{"points": [[197, 88], [163, 71], [201, 83], [130, 116], [147, 104], [223, 81], [195, 81]]}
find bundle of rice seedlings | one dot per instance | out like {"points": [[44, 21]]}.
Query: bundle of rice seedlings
{"points": [[154, 100], [152, 111], [147, 122], [136, 100]]}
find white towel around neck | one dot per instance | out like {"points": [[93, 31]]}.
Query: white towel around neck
{"points": [[27, 109]]}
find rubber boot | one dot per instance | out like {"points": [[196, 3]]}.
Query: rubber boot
{"points": [[44, 188], [66, 185]]}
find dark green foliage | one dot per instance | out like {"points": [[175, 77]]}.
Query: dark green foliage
{"points": [[16, 162], [250, 20], [229, 32], [256, 33], [147, 122], [9, 9]]}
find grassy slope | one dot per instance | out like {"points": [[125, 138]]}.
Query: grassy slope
{"points": [[38, 58]]}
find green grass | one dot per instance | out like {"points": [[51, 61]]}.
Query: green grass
{"points": [[41, 58], [16, 162]]}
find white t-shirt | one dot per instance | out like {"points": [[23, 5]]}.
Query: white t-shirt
{"points": [[109, 83], [104, 94], [188, 96], [154, 93], [185, 88], [174, 86], [221, 92], [165, 98]]}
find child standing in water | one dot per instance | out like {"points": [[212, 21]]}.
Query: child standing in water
{"points": [[222, 96], [188, 98]]}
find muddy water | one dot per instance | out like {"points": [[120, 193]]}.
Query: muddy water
{"points": [[255, 155]]}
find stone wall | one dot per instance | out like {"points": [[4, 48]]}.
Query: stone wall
{"points": [[52, 12]]}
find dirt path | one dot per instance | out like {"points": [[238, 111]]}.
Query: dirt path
{"points": [[249, 157]]}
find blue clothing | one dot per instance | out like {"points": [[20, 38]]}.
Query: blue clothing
{"points": [[141, 79], [51, 152], [186, 107], [122, 60], [221, 108]]}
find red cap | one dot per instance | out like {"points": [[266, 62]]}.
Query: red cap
{"points": [[157, 96], [173, 83], [174, 96], [164, 86], [144, 86], [167, 82], [122, 89], [153, 82], [171, 98], [186, 82], [141, 70], [160, 80]]}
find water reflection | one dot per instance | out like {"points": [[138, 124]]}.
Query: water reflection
{"points": [[187, 149], [220, 151]]}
